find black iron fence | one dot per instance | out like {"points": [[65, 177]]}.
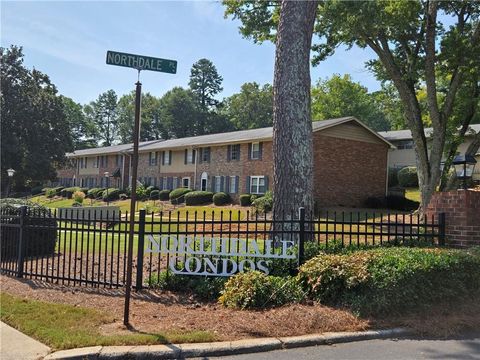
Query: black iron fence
{"points": [[89, 247]]}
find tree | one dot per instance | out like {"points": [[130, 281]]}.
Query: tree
{"points": [[179, 112], [103, 114], [251, 108], [388, 102], [205, 83], [151, 128], [339, 96], [34, 129], [81, 128], [413, 48], [292, 124]]}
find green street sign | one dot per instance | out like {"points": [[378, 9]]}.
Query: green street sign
{"points": [[140, 62]]}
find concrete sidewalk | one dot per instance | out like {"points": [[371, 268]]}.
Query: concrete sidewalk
{"points": [[14, 345]]}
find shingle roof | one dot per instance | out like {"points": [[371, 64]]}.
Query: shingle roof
{"points": [[109, 149], [214, 139], [407, 134], [243, 136]]}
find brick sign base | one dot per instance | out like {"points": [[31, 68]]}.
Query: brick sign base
{"points": [[462, 216]]}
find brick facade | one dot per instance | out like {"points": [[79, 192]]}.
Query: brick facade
{"points": [[96, 178], [462, 216], [347, 172]]}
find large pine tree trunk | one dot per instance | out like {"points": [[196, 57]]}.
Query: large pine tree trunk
{"points": [[292, 126]]}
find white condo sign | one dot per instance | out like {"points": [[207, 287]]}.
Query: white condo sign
{"points": [[210, 256]]}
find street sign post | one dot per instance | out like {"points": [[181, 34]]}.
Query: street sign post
{"points": [[141, 62], [138, 62]]}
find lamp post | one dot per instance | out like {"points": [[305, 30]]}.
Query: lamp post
{"points": [[10, 173], [107, 174], [464, 166]]}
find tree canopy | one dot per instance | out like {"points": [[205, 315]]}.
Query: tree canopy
{"points": [[339, 96], [103, 114], [35, 131]]}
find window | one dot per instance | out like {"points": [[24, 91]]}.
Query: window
{"points": [[405, 144], [218, 184], [234, 152], [257, 184], [205, 154], [189, 156], [118, 160], [85, 162], [167, 158], [152, 158], [233, 185], [96, 162], [186, 182], [255, 154]]}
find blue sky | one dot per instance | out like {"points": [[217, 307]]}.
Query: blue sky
{"points": [[69, 40]]}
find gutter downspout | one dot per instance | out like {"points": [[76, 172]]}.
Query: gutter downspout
{"points": [[195, 172], [386, 179]]}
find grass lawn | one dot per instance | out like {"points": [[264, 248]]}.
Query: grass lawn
{"points": [[63, 326], [413, 194]]}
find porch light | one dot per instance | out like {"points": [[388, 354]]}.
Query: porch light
{"points": [[464, 166], [10, 172]]}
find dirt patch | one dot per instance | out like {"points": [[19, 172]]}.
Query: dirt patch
{"points": [[153, 311]]}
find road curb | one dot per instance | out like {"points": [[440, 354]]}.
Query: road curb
{"points": [[172, 351]]}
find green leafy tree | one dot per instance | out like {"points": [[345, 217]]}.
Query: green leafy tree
{"points": [[152, 128], [388, 102], [103, 114], [251, 108], [35, 132], [205, 83], [339, 96], [416, 43], [179, 111], [81, 128]]}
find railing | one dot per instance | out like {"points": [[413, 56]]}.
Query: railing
{"points": [[90, 248]]}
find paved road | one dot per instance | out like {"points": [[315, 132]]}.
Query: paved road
{"points": [[403, 349]]}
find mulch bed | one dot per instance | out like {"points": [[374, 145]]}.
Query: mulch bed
{"points": [[155, 311]]}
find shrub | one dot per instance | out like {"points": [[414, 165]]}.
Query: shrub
{"points": [[254, 289], [155, 194], [407, 177], [198, 198], [149, 189], [245, 200], [177, 196], [392, 280], [95, 193], [165, 195], [78, 196], [205, 287], [39, 240], [37, 190], [221, 198], [51, 192], [68, 192], [393, 202], [392, 177], [110, 194], [264, 204]]}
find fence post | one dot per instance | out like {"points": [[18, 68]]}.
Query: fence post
{"points": [[301, 236], [141, 244], [21, 242], [441, 229]]}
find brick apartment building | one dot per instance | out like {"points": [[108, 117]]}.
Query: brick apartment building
{"points": [[350, 163]]}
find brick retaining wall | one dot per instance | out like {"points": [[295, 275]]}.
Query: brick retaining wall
{"points": [[462, 216]]}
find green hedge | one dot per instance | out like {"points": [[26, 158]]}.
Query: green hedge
{"points": [[392, 202], [111, 194], [177, 196], [407, 177], [40, 240], [155, 194], [51, 192], [165, 195], [221, 198], [68, 192], [95, 193], [204, 287], [254, 289], [245, 199], [264, 204], [392, 280], [198, 198]]}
